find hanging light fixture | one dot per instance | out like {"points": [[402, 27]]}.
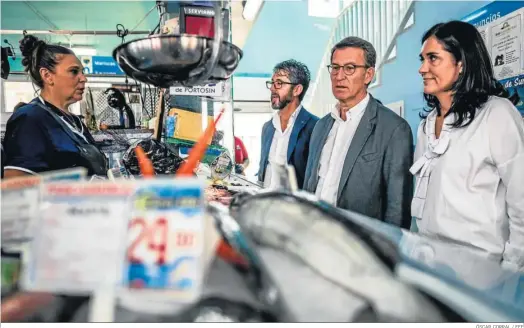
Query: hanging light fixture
{"points": [[251, 9], [84, 51]]}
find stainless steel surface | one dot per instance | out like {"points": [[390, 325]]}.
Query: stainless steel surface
{"points": [[186, 60], [166, 60]]}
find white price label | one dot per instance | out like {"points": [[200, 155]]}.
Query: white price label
{"points": [[165, 240], [209, 90], [79, 241]]}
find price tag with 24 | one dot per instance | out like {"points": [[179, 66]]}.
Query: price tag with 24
{"points": [[165, 239]]}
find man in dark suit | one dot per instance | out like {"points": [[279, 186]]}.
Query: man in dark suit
{"points": [[360, 153], [285, 138]]}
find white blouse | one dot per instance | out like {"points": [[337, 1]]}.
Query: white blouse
{"points": [[475, 193]]}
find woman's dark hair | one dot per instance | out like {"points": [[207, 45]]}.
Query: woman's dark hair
{"points": [[476, 83], [37, 54]]}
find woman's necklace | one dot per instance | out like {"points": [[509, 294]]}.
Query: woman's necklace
{"points": [[68, 117], [71, 120]]}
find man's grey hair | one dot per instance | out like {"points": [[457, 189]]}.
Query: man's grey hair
{"points": [[370, 55], [297, 72]]}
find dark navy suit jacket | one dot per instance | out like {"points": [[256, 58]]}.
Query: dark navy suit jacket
{"points": [[298, 148]]}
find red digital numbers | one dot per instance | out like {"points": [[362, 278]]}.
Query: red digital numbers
{"points": [[155, 235], [131, 250], [158, 240], [184, 239]]}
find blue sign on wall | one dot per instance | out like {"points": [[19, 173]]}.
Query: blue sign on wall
{"points": [[492, 12], [105, 65], [92, 65]]}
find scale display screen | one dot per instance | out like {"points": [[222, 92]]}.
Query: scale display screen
{"points": [[200, 25], [200, 20]]}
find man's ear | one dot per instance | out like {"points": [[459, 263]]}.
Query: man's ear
{"points": [[370, 74], [298, 90]]}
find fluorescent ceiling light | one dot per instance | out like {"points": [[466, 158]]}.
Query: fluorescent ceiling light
{"points": [[251, 9], [84, 51], [324, 8]]}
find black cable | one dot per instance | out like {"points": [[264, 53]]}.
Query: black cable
{"points": [[121, 32], [12, 49], [156, 30]]}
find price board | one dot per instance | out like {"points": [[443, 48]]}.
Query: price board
{"points": [[79, 241], [165, 239], [21, 203]]}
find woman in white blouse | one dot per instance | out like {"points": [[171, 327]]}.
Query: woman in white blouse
{"points": [[469, 157]]}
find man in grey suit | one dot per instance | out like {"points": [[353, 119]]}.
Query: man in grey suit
{"points": [[360, 153]]}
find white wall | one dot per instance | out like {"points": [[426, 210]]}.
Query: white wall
{"points": [[250, 89], [252, 97], [248, 127]]}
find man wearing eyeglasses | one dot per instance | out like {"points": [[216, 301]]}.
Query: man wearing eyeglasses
{"points": [[285, 138], [360, 153]]}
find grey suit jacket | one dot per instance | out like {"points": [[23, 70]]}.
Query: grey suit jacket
{"points": [[375, 179]]}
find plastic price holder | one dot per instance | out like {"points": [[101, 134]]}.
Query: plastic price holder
{"points": [[80, 232], [165, 255], [21, 201]]}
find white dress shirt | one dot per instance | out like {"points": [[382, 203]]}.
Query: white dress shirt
{"points": [[335, 150], [279, 147], [475, 192]]}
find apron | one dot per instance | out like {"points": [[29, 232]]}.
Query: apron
{"points": [[92, 158]]}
